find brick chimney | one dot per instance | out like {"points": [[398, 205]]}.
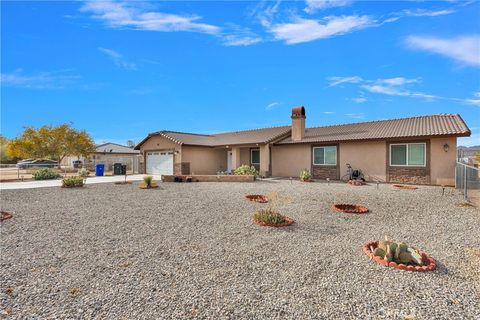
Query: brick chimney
{"points": [[298, 123]]}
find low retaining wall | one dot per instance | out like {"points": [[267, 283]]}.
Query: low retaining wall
{"points": [[209, 178]]}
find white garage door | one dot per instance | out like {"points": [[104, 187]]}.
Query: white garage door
{"points": [[159, 162]]}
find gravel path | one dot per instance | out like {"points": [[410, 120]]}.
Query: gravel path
{"points": [[191, 251]]}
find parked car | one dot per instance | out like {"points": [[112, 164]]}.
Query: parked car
{"points": [[77, 164], [43, 163]]}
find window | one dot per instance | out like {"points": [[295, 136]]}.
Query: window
{"points": [[255, 156], [325, 156], [408, 154]]}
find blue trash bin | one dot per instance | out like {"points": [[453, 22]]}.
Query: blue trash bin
{"points": [[99, 168]]}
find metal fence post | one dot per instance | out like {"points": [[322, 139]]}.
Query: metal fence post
{"points": [[465, 182]]}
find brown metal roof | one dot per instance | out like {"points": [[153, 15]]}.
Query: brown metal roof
{"points": [[423, 126]]}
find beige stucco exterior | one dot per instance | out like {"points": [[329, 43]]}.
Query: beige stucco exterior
{"points": [[204, 160], [369, 156], [289, 160], [442, 168]]}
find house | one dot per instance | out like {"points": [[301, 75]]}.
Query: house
{"points": [[420, 150], [108, 154]]}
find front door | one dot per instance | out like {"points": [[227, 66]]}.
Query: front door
{"points": [[229, 161]]}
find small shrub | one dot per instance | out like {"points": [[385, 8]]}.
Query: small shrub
{"points": [[246, 170], [46, 174], [269, 216], [83, 173], [72, 182], [305, 175], [147, 180]]}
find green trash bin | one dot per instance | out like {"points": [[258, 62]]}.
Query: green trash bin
{"points": [[117, 169]]}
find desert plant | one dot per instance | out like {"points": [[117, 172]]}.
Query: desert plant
{"points": [[46, 174], [83, 172], [75, 181], [305, 175], [398, 252], [246, 170], [147, 180], [269, 216]]}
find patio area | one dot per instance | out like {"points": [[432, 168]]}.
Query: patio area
{"points": [[190, 250]]}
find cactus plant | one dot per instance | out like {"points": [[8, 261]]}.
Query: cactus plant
{"points": [[399, 252]]}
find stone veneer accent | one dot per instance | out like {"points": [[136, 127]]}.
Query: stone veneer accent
{"points": [[414, 175], [324, 172], [182, 168]]}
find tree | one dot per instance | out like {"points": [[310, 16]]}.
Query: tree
{"points": [[51, 142], [4, 156]]}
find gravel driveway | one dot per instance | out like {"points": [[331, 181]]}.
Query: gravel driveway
{"points": [[191, 251]]}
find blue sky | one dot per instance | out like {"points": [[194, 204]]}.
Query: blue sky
{"points": [[123, 69]]}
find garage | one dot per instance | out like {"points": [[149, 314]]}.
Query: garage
{"points": [[159, 162]]}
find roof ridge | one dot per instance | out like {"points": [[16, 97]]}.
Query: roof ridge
{"points": [[117, 144], [181, 132], [248, 130], [385, 120]]}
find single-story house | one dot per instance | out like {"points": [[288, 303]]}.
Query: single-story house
{"points": [[108, 154], [420, 150]]}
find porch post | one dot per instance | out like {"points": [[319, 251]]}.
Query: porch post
{"points": [[265, 160], [235, 158]]}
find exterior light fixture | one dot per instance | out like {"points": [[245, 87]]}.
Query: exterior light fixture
{"points": [[177, 152], [446, 147]]}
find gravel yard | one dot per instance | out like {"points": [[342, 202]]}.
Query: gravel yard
{"points": [[191, 251]]}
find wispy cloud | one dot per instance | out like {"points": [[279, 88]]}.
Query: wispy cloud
{"points": [[465, 49], [272, 105], [335, 81], [239, 36], [42, 80], [328, 112], [118, 59], [305, 30], [398, 86], [133, 15], [355, 115], [315, 5], [426, 13], [359, 100]]}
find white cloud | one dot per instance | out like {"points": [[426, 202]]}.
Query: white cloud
{"points": [[305, 30], [355, 115], [360, 100], [328, 112], [41, 80], [314, 5], [118, 59], [335, 81], [427, 13], [135, 16], [234, 40], [465, 49], [398, 81], [272, 105]]}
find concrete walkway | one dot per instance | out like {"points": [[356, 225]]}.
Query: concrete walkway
{"points": [[58, 183]]}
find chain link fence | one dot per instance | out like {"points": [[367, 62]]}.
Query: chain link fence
{"points": [[467, 180]]}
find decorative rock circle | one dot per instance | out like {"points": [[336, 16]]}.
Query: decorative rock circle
{"points": [[260, 198], [356, 183], [142, 186], [5, 215], [288, 221], [429, 262], [350, 208], [402, 186]]}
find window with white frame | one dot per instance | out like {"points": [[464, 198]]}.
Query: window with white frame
{"points": [[255, 156], [325, 156], [408, 154]]}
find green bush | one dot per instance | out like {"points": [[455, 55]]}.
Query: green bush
{"points": [[245, 170], [269, 216], [72, 182], [83, 173], [147, 180], [46, 174], [305, 175]]}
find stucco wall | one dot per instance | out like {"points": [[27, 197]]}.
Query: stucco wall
{"points": [[204, 160], [157, 143], [442, 164], [244, 156], [289, 160], [370, 157]]}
